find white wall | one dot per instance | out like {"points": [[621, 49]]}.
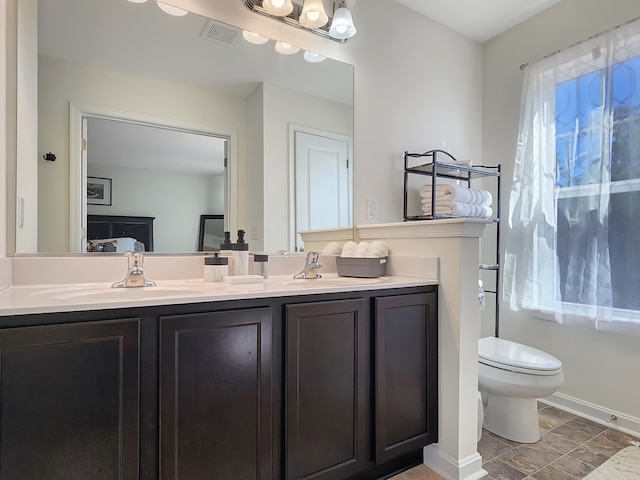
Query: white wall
{"points": [[600, 368], [141, 192], [283, 107], [62, 82]]}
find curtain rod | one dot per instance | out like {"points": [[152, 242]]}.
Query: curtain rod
{"points": [[525, 65]]}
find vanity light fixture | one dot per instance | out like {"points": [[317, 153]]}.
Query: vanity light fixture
{"points": [[313, 14], [342, 26], [313, 57], [255, 38], [277, 8], [310, 16], [286, 48], [137, 1], [171, 10]]}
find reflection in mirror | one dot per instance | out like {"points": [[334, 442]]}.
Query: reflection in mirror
{"points": [[172, 71], [211, 233]]}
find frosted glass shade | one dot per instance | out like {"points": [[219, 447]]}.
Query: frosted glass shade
{"points": [[286, 49], [313, 57], [313, 14], [171, 10], [278, 8], [254, 38], [342, 25], [137, 1]]}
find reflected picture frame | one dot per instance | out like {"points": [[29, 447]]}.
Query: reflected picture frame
{"points": [[207, 224], [98, 191]]}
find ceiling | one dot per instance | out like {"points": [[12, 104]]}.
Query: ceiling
{"points": [[482, 19]]}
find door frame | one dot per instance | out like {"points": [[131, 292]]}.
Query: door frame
{"points": [[77, 171], [293, 128]]}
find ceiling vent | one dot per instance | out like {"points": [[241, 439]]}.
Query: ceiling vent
{"points": [[219, 32]]}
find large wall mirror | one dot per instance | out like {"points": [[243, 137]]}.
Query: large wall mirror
{"points": [[155, 95]]}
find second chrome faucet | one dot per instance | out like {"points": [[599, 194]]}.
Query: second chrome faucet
{"points": [[311, 266]]}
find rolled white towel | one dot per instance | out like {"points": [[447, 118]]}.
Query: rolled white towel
{"points": [[362, 250], [378, 249], [332, 248], [451, 193], [485, 199], [349, 249]]}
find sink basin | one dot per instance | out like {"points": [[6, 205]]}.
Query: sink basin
{"points": [[335, 281], [137, 293]]}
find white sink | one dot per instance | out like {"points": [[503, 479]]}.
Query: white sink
{"points": [[107, 293], [335, 281]]}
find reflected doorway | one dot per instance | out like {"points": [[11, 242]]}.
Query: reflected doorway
{"points": [[323, 180]]}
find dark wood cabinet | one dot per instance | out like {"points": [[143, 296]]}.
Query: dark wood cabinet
{"points": [[216, 395], [406, 369], [69, 401], [326, 370], [325, 387]]}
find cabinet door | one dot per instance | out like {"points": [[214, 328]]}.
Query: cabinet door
{"points": [[406, 370], [69, 401], [326, 370], [216, 395]]}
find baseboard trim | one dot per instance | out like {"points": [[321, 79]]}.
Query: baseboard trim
{"points": [[595, 413], [469, 468]]}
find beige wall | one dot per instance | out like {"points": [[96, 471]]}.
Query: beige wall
{"points": [[600, 368], [142, 192], [63, 82]]}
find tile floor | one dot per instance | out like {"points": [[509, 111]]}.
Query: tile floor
{"points": [[570, 448]]}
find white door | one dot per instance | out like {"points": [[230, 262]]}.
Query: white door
{"points": [[323, 197]]}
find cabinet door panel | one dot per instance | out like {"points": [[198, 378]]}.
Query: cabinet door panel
{"points": [[69, 401], [326, 357], [216, 395], [406, 374]]}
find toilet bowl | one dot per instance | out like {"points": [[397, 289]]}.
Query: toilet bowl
{"points": [[511, 377]]}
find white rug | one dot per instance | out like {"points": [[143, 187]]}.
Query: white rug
{"points": [[624, 465]]}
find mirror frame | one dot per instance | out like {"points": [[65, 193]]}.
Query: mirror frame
{"points": [[203, 222], [77, 178]]}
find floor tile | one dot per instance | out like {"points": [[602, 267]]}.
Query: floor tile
{"points": [[494, 445], [573, 466], [586, 425], [529, 458], [550, 418], [619, 439], [498, 470], [421, 472], [564, 438], [550, 473]]}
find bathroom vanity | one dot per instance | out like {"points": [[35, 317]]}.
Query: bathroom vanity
{"points": [[290, 382]]}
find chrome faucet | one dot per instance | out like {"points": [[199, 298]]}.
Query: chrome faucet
{"points": [[311, 266], [135, 273]]}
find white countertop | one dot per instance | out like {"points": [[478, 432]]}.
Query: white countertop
{"points": [[32, 299]]}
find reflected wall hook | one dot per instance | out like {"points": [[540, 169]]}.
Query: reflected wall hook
{"points": [[49, 157]]}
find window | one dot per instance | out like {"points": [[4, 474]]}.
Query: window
{"points": [[573, 237], [583, 211]]}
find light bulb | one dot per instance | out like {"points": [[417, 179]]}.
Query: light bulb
{"points": [[341, 28], [277, 3], [313, 14], [313, 57], [278, 8], [171, 10], [253, 37], [286, 48]]}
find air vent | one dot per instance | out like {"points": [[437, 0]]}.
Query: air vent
{"points": [[219, 32]]}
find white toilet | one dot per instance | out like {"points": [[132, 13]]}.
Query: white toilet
{"points": [[511, 377]]}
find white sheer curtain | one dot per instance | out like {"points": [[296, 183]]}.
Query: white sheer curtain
{"points": [[573, 242]]}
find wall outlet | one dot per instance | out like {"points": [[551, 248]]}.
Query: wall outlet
{"points": [[372, 209]]}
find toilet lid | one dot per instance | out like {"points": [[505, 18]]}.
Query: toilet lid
{"points": [[515, 356]]}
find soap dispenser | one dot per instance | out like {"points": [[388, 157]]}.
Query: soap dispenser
{"points": [[227, 251], [240, 255]]}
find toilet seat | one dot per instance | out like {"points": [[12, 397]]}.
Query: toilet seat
{"points": [[515, 357]]}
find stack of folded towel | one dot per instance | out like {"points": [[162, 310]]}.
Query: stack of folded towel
{"points": [[375, 249], [457, 200]]}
